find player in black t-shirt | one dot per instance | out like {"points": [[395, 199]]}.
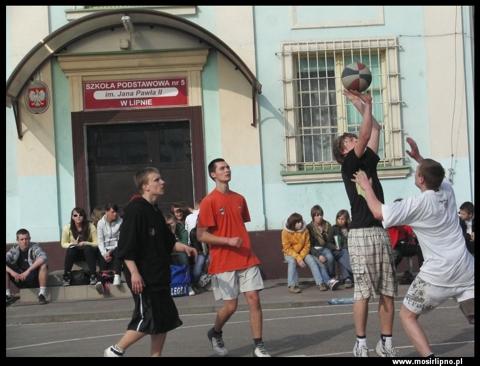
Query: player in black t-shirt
{"points": [[368, 242]]}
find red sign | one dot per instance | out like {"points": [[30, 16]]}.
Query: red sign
{"points": [[128, 94], [37, 96]]}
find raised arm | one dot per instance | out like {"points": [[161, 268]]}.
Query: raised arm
{"points": [[414, 153], [363, 104]]}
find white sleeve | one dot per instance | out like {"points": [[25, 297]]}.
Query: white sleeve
{"points": [[101, 237], [400, 213]]}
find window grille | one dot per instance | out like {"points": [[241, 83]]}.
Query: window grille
{"points": [[316, 111]]}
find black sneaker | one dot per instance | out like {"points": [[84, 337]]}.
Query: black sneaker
{"points": [[10, 300], [93, 279], [66, 279], [42, 300]]}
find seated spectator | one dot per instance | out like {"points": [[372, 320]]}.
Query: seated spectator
{"points": [[180, 211], [340, 234], [177, 228], [321, 239], [198, 268], [404, 245], [108, 233], [191, 219], [467, 222], [80, 239], [26, 267], [296, 248]]}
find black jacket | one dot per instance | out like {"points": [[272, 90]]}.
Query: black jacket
{"points": [[146, 239]]}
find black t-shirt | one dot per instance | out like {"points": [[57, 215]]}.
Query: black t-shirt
{"points": [[22, 261], [146, 239], [361, 215]]}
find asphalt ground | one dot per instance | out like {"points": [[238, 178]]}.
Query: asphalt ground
{"points": [[295, 325]]}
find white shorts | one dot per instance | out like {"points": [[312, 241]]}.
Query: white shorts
{"points": [[228, 285], [422, 297]]}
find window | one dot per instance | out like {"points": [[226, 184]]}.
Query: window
{"points": [[316, 110]]}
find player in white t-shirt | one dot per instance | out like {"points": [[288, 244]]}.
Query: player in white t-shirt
{"points": [[448, 269]]}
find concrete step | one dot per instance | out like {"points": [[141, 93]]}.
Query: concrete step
{"points": [[57, 292], [70, 293]]}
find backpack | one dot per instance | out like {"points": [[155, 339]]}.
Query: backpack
{"points": [[180, 275], [79, 277]]}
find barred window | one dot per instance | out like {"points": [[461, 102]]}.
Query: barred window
{"points": [[316, 111]]}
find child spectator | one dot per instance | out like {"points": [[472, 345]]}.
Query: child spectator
{"points": [[296, 249], [340, 234], [467, 222]]}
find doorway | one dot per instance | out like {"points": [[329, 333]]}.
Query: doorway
{"points": [[116, 152], [110, 147]]}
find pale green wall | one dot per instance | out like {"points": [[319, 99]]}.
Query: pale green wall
{"points": [[273, 27], [63, 145]]}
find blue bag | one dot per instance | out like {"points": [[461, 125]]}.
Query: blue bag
{"points": [[180, 275]]}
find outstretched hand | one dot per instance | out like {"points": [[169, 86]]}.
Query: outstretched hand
{"points": [[414, 153]]}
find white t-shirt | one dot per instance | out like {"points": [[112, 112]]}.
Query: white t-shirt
{"points": [[191, 222], [433, 217]]}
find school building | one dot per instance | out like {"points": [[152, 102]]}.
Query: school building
{"points": [[111, 89]]}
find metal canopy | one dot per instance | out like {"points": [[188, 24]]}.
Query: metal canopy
{"points": [[90, 24]]}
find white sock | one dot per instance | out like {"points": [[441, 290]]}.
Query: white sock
{"points": [[362, 341], [43, 291], [387, 341], [8, 293]]}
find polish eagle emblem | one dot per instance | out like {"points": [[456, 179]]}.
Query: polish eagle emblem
{"points": [[37, 97]]}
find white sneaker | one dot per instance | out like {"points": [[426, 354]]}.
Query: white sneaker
{"points": [[117, 281], [383, 351], [260, 351], [333, 284], [217, 343], [360, 351], [112, 352]]}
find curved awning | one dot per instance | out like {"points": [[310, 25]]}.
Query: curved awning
{"points": [[90, 24]]}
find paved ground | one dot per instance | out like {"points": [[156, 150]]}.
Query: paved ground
{"points": [[294, 325]]}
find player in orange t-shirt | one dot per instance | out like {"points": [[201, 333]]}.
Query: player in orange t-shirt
{"points": [[234, 266]]}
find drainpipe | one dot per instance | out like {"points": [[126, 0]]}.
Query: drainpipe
{"points": [[257, 116]]}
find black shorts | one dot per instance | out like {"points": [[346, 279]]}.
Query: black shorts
{"points": [[30, 282], [155, 312]]}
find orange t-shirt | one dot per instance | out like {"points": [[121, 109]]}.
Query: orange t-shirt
{"points": [[225, 214]]}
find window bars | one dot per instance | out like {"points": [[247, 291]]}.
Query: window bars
{"points": [[316, 111]]}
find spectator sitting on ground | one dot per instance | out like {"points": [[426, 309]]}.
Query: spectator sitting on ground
{"points": [[296, 249], [340, 234], [108, 234], [26, 267], [177, 228], [80, 239], [180, 211], [191, 219], [321, 239], [467, 222]]}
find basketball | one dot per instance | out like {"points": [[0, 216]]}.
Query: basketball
{"points": [[356, 76]]}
